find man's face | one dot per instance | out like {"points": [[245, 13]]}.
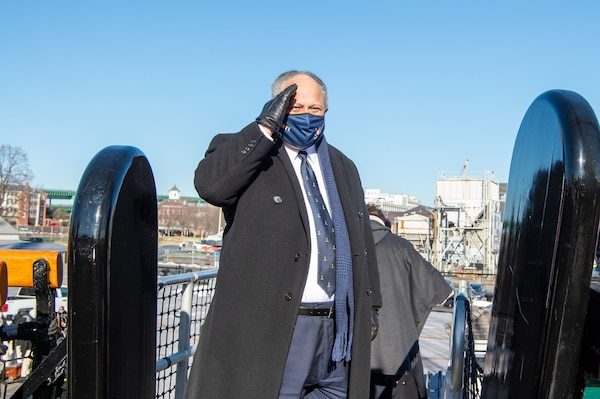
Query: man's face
{"points": [[309, 97]]}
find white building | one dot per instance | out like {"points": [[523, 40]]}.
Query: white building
{"points": [[23, 205], [390, 202], [415, 227], [468, 222], [174, 193]]}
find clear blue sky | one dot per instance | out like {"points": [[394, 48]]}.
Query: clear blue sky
{"points": [[415, 87]]}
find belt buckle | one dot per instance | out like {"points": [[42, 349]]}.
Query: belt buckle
{"points": [[330, 312]]}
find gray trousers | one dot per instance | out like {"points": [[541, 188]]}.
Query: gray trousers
{"points": [[309, 372]]}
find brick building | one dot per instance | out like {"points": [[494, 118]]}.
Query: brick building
{"points": [[184, 216], [24, 206]]}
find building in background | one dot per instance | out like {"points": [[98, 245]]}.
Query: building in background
{"points": [[468, 222], [24, 206], [177, 215], [408, 217], [390, 202], [415, 225], [461, 233], [186, 216]]}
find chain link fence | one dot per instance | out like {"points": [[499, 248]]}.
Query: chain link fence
{"points": [[182, 305]]}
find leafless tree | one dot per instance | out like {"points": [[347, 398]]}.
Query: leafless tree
{"points": [[200, 220], [14, 171], [209, 220], [168, 218], [188, 218]]}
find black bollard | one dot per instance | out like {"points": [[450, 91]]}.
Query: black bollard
{"points": [[547, 248], [112, 275]]}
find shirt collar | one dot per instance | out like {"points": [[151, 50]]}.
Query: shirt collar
{"points": [[293, 153]]}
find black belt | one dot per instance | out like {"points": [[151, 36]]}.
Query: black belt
{"points": [[308, 311]]}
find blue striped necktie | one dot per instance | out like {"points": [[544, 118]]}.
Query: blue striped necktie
{"points": [[323, 225]]}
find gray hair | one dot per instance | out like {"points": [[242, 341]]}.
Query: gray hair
{"points": [[277, 85]]}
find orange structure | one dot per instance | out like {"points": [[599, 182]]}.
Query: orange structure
{"points": [[19, 266]]}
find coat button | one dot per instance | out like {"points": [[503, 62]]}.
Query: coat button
{"points": [[277, 199], [243, 151], [288, 296], [360, 214], [296, 258], [369, 291]]}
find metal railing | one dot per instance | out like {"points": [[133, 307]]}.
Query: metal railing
{"points": [[183, 301], [182, 304], [465, 373], [457, 350]]}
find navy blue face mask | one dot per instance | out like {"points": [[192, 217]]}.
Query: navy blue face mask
{"points": [[303, 130]]}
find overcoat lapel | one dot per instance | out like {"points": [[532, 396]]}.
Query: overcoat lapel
{"points": [[293, 180]]}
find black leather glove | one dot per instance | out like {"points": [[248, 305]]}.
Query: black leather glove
{"points": [[274, 111], [374, 322]]}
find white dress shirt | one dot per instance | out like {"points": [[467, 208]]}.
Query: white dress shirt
{"points": [[312, 291]]}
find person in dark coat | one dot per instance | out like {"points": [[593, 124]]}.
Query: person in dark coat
{"points": [[410, 287], [272, 331]]}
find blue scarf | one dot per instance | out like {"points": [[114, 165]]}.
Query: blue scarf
{"points": [[344, 293]]}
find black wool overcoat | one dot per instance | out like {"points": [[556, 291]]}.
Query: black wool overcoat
{"points": [[264, 264], [410, 288]]}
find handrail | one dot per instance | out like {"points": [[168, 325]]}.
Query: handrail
{"points": [[184, 331], [193, 291], [186, 277], [179, 356], [457, 345]]}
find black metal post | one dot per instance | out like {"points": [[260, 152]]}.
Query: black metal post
{"points": [[547, 248], [112, 276]]}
